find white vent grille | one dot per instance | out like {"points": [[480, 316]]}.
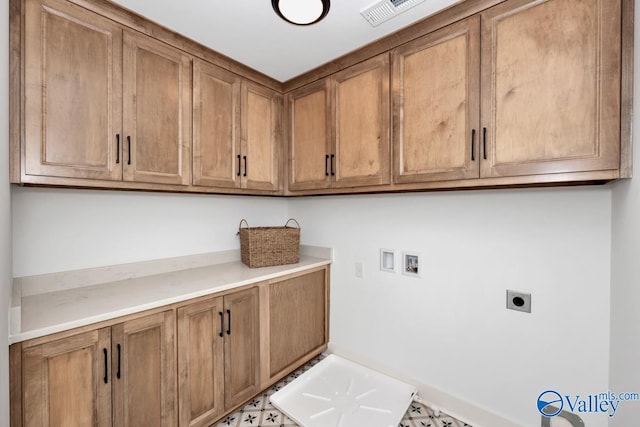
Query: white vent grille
{"points": [[387, 9]]}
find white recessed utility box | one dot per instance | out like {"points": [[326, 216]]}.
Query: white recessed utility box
{"points": [[337, 392], [411, 264], [388, 260]]}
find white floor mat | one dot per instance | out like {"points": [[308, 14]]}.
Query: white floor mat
{"points": [[340, 393]]}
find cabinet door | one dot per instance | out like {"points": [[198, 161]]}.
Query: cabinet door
{"points": [[241, 346], [72, 105], [361, 99], [68, 382], [551, 86], [201, 362], [436, 105], [144, 363], [309, 137], [157, 112], [216, 126], [298, 313], [261, 110]]}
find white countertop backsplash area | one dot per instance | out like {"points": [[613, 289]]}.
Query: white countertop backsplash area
{"points": [[50, 303]]}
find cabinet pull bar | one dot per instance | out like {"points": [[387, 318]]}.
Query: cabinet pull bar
{"points": [[228, 322], [239, 165], [106, 366], [326, 165], [117, 148], [473, 145], [245, 165], [221, 334], [484, 143], [129, 149], [333, 157], [118, 372]]}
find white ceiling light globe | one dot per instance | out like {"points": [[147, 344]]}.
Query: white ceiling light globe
{"points": [[301, 12]]}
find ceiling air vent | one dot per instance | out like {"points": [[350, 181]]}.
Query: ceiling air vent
{"points": [[387, 9]]}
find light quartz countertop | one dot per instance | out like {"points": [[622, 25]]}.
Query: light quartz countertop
{"points": [[44, 313]]}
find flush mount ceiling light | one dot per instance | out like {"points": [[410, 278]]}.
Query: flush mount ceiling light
{"points": [[301, 12]]}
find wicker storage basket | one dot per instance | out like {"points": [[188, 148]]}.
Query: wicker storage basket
{"points": [[267, 246]]}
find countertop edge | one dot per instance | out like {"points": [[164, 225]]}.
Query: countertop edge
{"points": [[65, 326]]}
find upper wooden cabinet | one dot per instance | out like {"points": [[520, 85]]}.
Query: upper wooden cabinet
{"points": [[236, 128], [261, 135], [216, 126], [436, 93], [551, 87], [100, 102], [72, 92], [309, 134], [339, 129], [157, 112], [522, 92]]}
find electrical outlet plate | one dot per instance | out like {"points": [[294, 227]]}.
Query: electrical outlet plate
{"points": [[388, 260], [518, 301], [411, 264]]}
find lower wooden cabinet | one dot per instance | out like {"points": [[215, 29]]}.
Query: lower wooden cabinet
{"points": [[122, 375], [187, 364], [298, 320], [218, 359], [67, 382], [144, 368]]}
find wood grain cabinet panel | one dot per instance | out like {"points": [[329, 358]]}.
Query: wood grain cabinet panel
{"points": [[551, 84], [67, 382], [241, 346], [72, 92], [101, 102], [216, 126], [201, 362], [298, 319], [157, 112], [218, 352], [144, 363], [261, 136], [236, 127], [122, 376], [436, 92], [309, 132], [361, 141], [339, 129]]}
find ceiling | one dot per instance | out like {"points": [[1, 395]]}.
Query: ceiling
{"points": [[251, 33]]}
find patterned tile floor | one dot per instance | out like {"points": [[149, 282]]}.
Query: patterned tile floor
{"points": [[260, 412]]}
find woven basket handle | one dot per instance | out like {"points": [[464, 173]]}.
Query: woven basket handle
{"points": [[294, 220], [240, 226]]}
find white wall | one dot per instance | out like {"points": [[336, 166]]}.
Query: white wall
{"points": [[625, 272], [60, 230], [450, 328], [5, 214]]}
